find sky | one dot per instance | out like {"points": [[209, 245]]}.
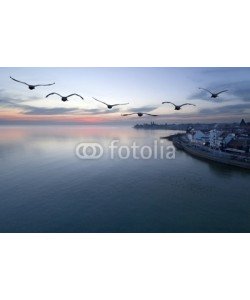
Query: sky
{"points": [[144, 89]]}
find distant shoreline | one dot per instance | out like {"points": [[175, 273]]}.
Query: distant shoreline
{"points": [[186, 126]]}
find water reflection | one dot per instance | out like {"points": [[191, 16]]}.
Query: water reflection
{"points": [[46, 188]]}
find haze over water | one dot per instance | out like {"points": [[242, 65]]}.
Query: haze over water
{"points": [[45, 187]]}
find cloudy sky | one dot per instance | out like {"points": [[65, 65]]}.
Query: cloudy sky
{"points": [[143, 88]]}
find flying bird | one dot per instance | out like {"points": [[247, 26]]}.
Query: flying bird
{"points": [[110, 105], [32, 86], [64, 98], [140, 114], [178, 107], [214, 95]]}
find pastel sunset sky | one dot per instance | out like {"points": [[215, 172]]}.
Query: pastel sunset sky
{"points": [[143, 88]]}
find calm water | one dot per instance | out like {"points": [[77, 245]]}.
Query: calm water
{"points": [[45, 187]]}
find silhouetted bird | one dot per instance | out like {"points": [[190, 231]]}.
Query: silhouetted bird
{"points": [[64, 98], [110, 105], [32, 86], [178, 107], [214, 95], [140, 114]]}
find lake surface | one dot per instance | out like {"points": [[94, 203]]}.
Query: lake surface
{"points": [[46, 187]]}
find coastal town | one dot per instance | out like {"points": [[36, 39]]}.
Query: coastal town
{"points": [[228, 145], [224, 143], [231, 139], [234, 137]]}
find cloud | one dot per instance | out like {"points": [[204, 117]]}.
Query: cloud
{"points": [[96, 111], [206, 96], [8, 102], [15, 99], [238, 90], [227, 113], [11, 102], [241, 90], [147, 108], [29, 110], [235, 109]]}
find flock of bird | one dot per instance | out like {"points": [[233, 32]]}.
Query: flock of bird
{"points": [[110, 106]]}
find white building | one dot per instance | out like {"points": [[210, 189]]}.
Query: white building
{"points": [[199, 137], [215, 139]]}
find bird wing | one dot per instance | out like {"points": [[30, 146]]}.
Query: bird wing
{"points": [[168, 102], [206, 90], [124, 115], [19, 81], [187, 104], [75, 95], [150, 114], [44, 84], [100, 101], [221, 92], [53, 94], [120, 104]]}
